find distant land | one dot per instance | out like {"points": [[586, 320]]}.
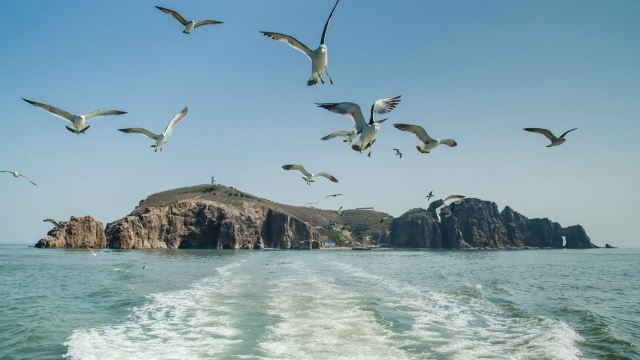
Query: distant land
{"points": [[210, 217]]}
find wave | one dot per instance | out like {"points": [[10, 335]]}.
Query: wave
{"points": [[465, 325], [190, 323], [315, 319]]}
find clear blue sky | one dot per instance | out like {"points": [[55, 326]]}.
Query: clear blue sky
{"points": [[476, 71]]}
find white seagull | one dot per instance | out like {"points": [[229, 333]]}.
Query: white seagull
{"points": [[160, 139], [368, 131], [188, 25], [17, 174], [309, 177], [428, 143], [340, 212], [92, 252], [319, 57], [555, 141], [455, 199], [346, 134], [78, 122]]}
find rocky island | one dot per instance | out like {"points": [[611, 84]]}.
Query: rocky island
{"points": [[222, 217]]}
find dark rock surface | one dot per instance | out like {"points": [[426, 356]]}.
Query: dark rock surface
{"points": [[475, 223], [78, 232], [577, 238]]}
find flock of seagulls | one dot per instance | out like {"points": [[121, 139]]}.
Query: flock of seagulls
{"points": [[360, 138]]}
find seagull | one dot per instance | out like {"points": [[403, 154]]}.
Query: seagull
{"points": [[319, 60], [429, 195], [398, 153], [428, 142], [309, 177], [340, 212], [78, 122], [333, 195], [555, 141], [346, 134], [367, 131], [381, 220], [188, 25], [92, 252], [49, 220], [160, 139], [17, 174], [456, 199]]}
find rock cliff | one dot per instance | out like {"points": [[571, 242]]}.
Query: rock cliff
{"points": [[78, 232], [475, 223], [223, 217]]}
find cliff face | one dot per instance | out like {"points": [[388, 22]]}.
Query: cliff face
{"points": [[475, 223], [577, 238], [206, 224], [78, 232], [222, 217]]}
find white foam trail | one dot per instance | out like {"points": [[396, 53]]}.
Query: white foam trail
{"points": [[465, 327], [197, 322], [319, 320]]}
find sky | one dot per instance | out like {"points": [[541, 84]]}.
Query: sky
{"points": [[475, 71]]}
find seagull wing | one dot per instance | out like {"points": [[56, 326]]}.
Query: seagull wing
{"points": [[289, 40], [548, 134], [568, 131], [175, 14], [297, 167], [55, 223], [347, 108], [454, 198], [206, 22], [103, 112], [383, 106], [31, 181], [176, 119], [140, 131], [339, 133], [449, 142], [418, 131], [326, 25], [52, 110], [328, 176]]}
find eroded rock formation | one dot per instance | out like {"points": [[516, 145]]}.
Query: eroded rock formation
{"points": [[78, 232]]}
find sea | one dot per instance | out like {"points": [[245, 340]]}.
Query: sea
{"points": [[321, 304]]}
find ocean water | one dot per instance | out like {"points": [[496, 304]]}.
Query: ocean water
{"points": [[210, 304]]}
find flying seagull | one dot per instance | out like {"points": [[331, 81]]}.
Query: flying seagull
{"points": [[346, 134], [428, 143], [17, 174], [398, 153], [319, 60], [340, 212], [368, 131], [309, 177], [49, 220], [160, 139], [188, 25], [92, 252], [429, 195], [78, 122], [454, 200], [555, 141], [333, 195]]}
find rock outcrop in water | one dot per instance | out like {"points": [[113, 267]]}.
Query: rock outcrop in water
{"points": [[475, 223], [223, 217], [78, 232]]}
